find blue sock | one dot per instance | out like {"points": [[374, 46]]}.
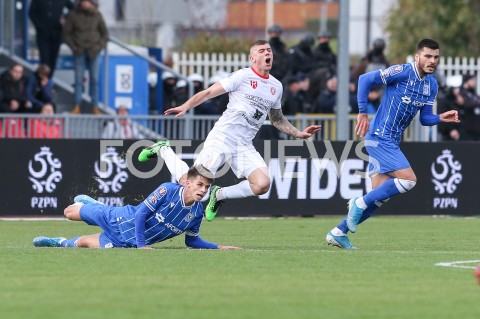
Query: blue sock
{"points": [[366, 214], [70, 242], [379, 194]]}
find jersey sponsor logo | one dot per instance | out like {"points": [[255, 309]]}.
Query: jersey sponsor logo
{"points": [[406, 100], [258, 115], [253, 84], [273, 90], [162, 190], [189, 217], [173, 228], [446, 176]]}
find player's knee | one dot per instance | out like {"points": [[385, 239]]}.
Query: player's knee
{"points": [[404, 185], [261, 187]]}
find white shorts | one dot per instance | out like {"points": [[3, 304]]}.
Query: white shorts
{"points": [[219, 149]]}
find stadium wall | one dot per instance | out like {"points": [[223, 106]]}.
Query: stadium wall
{"points": [[41, 177]]}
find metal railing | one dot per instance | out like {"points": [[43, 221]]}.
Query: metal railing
{"points": [[160, 126]]}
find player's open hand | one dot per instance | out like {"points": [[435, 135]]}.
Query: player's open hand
{"points": [[363, 125], [450, 116], [309, 131], [179, 110], [228, 247]]}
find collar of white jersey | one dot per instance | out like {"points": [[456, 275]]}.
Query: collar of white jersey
{"points": [[263, 77]]}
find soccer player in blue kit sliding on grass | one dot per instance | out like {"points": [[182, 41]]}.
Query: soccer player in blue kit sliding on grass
{"points": [[172, 209], [409, 88]]}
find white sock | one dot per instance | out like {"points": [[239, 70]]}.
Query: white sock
{"points": [[361, 203], [175, 165], [337, 232], [240, 190]]}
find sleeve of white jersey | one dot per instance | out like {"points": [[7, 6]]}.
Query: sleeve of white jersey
{"points": [[278, 102], [232, 82]]}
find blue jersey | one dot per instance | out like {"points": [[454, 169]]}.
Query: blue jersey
{"points": [[162, 215], [405, 94]]}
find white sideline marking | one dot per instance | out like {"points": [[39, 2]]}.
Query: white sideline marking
{"points": [[458, 264]]}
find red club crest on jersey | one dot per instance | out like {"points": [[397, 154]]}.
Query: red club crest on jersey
{"points": [[254, 84], [272, 90]]}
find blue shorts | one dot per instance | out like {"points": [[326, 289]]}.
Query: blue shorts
{"points": [[104, 217], [384, 156]]}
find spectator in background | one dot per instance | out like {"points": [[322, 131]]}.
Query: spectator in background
{"points": [[152, 79], [12, 86], [122, 127], [327, 100], [304, 83], [218, 104], [180, 93], [39, 88], [374, 60], [197, 80], [292, 103], [281, 64], [86, 34], [324, 54], [302, 58], [48, 18], [469, 104], [169, 82], [45, 127]]}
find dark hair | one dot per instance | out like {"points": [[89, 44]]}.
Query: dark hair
{"points": [[428, 43], [43, 70], [258, 42], [200, 170]]}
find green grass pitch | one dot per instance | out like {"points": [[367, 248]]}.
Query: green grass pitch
{"points": [[285, 271]]}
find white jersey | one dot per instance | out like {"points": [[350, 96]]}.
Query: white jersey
{"points": [[251, 97]]}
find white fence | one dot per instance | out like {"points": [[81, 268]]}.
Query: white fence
{"points": [[208, 64]]}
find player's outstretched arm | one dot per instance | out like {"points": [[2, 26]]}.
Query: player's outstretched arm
{"points": [[198, 243], [280, 121], [209, 93]]}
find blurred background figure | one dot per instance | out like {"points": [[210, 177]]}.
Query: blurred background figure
{"points": [[218, 104], [39, 88], [375, 59], [48, 19], [169, 82], [324, 54], [122, 127], [327, 100], [180, 93], [86, 34], [302, 58], [468, 102], [280, 67], [197, 80], [13, 84], [152, 80], [46, 127], [292, 102]]}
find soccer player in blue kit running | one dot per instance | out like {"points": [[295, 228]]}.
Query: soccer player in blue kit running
{"points": [[172, 209], [409, 88]]}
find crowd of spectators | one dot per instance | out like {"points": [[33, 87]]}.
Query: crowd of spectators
{"points": [[307, 70]]}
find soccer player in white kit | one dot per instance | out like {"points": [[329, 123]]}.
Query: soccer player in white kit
{"points": [[253, 94]]}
